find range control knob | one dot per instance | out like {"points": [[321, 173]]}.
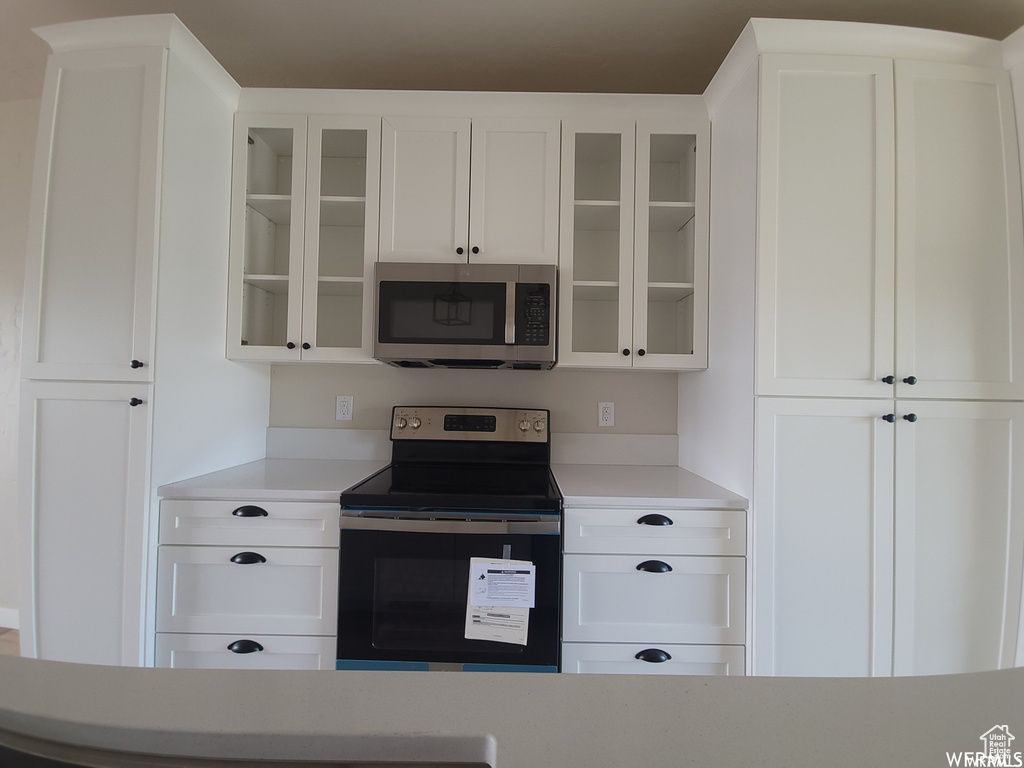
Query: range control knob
{"points": [[400, 422], [538, 425], [524, 426], [414, 422]]}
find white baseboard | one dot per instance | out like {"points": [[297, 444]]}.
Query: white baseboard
{"points": [[9, 618], [566, 447]]}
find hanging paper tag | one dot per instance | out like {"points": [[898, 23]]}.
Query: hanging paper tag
{"points": [[501, 593]]}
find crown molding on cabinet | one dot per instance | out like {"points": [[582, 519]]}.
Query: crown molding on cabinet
{"points": [[850, 39], [163, 30]]}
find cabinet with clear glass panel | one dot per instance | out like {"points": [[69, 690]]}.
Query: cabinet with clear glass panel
{"points": [[304, 237], [633, 256]]}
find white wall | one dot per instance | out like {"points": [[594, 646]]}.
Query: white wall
{"points": [[305, 395], [18, 121]]}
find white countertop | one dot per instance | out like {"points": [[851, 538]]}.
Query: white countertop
{"points": [[581, 484], [508, 720]]}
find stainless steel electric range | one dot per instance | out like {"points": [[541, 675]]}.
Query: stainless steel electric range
{"points": [[451, 555]]}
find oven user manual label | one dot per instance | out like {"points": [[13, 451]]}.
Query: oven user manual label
{"points": [[501, 593]]}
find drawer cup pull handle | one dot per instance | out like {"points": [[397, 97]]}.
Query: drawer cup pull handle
{"points": [[654, 519], [653, 655], [248, 558], [250, 510], [245, 646], [654, 566]]}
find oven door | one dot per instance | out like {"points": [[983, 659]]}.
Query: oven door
{"points": [[404, 587]]}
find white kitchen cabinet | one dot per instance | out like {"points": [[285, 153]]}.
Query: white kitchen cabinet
{"points": [[633, 254], [257, 524], [639, 531], [304, 237], [959, 535], [959, 234], [257, 575], [662, 659], [654, 590], [840, 271], [459, 190], [125, 287], [292, 652], [89, 292], [887, 547], [823, 542], [826, 222], [268, 590], [663, 599], [82, 488]]}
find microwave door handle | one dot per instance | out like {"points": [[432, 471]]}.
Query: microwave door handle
{"points": [[510, 313]]}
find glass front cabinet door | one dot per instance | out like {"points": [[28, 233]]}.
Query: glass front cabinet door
{"points": [[633, 257], [303, 238]]}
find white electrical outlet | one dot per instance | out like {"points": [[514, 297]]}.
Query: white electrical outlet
{"points": [[344, 412], [606, 414]]}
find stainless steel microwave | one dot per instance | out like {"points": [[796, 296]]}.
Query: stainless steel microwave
{"points": [[465, 315]]}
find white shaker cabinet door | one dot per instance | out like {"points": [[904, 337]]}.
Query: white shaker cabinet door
{"points": [[92, 249], [424, 190], [82, 494], [959, 537], [245, 651], [514, 191], [959, 237], [825, 274], [268, 590], [823, 538]]}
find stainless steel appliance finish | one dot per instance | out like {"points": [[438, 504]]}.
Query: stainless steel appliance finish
{"points": [[463, 483], [465, 315]]}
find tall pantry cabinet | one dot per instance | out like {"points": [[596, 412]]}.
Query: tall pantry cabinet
{"points": [[879, 379], [125, 385]]}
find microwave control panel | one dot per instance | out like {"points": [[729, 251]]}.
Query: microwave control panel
{"points": [[533, 314]]}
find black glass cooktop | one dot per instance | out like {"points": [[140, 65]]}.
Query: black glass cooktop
{"points": [[457, 487]]}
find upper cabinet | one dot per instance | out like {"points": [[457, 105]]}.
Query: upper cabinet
{"points": [[305, 239], [89, 295], [633, 257], [459, 190], [890, 240]]}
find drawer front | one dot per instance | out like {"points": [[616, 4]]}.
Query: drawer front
{"points": [[655, 531], [251, 651], [294, 592], [699, 600], [250, 523], [621, 659]]}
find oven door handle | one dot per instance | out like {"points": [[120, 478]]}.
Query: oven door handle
{"points": [[510, 312], [497, 527]]}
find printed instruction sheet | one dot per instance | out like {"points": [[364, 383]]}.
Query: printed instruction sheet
{"points": [[501, 594]]}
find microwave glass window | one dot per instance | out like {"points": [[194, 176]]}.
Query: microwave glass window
{"points": [[442, 313]]}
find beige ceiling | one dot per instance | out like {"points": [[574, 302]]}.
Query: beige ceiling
{"points": [[632, 46]]}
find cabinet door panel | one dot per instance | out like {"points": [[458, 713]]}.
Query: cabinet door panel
{"points": [[294, 591], [265, 265], [959, 537], [424, 195], [285, 524], [340, 244], [89, 292], [609, 599], [182, 651], [959, 238], [825, 277], [83, 499], [823, 538], [514, 191], [690, 532], [621, 659]]}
